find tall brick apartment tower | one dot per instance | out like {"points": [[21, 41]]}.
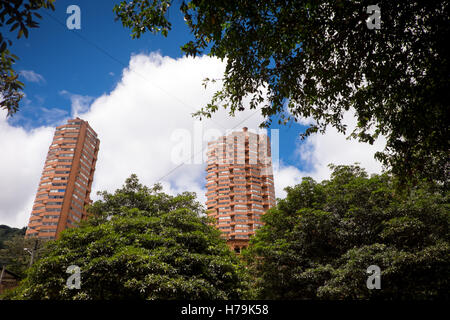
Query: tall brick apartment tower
{"points": [[240, 186], [66, 180]]}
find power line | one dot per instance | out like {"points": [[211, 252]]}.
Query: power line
{"points": [[201, 151]]}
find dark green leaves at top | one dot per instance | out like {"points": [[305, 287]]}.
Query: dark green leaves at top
{"points": [[318, 59], [142, 16]]}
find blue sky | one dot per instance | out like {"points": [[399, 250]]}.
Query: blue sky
{"points": [[137, 94]]}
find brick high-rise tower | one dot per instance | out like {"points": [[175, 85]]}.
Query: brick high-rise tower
{"points": [[66, 180], [240, 184]]}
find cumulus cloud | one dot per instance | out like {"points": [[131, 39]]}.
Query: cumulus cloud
{"points": [[79, 103], [319, 150], [32, 76], [149, 114], [285, 176], [21, 164], [52, 116], [141, 122], [137, 123]]}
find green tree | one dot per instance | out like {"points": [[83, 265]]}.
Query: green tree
{"points": [[319, 59], [318, 242], [140, 244], [18, 15], [6, 233], [14, 256]]}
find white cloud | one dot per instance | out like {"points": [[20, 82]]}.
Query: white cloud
{"points": [[21, 164], [319, 150], [136, 123], [32, 76], [79, 103], [286, 176], [52, 116]]}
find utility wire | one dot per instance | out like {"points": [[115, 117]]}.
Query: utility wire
{"points": [[201, 151], [93, 44]]}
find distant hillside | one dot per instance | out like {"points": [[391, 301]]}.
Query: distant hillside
{"points": [[7, 233]]}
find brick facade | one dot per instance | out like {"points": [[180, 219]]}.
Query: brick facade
{"points": [[66, 181], [240, 186]]}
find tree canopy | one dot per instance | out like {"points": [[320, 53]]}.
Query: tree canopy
{"points": [[319, 59], [140, 243], [318, 242], [20, 16], [6, 233], [14, 256]]}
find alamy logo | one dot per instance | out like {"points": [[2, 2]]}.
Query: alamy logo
{"points": [[74, 20], [374, 20], [74, 281], [374, 280]]}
